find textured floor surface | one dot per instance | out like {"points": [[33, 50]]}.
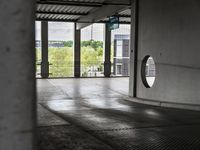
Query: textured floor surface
{"points": [[93, 114]]}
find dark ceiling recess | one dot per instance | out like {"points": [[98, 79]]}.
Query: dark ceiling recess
{"points": [[70, 3], [73, 10]]}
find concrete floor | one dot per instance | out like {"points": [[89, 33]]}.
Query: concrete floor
{"points": [[93, 114]]}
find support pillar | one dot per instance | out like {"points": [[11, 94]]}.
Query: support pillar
{"points": [[134, 49], [107, 52], [77, 52], [45, 61], [17, 75]]}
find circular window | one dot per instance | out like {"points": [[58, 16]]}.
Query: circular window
{"points": [[148, 71]]}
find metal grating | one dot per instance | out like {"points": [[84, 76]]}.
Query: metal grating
{"points": [[63, 8], [57, 17], [126, 12], [60, 12]]}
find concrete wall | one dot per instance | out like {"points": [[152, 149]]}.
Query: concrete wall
{"points": [[132, 80], [169, 31], [17, 75]]}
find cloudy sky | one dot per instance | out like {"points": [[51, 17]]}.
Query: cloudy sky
{"points": [[60, 31]]}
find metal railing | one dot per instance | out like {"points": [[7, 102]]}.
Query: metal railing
{"points": [[92, 68], [60, 68]]}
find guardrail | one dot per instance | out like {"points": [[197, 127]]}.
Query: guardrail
{"points": [[88, 69]]}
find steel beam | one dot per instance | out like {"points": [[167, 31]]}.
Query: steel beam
{"points": [[76, 21], [101, 13], [67, 3], [85, 4], [55, 20], [61, 13]]}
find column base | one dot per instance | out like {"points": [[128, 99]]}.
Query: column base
{"points": [[107, 69], [44, 69]]}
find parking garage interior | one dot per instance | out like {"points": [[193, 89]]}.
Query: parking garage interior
{"points": [[99, 75]]}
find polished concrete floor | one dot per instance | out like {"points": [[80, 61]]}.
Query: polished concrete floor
{"points": [[94, 114]]}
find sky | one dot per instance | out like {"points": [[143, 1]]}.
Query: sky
{"points": [[61, 31]]}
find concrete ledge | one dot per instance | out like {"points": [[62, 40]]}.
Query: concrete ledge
{"points": [[165, 104]]}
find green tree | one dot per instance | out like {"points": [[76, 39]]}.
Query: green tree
{"points": [[61, 62], [93, 44], [68, 43], [62, 58]]}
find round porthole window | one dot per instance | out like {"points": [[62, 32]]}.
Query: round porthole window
{"points": [[148, 71]]}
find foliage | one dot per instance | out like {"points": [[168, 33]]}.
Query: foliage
{"points": [[61, 62], [94, 44], [68, 43], [61, 58]]}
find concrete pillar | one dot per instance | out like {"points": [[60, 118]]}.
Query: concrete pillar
{"points": [[77, 52], [107, 52], [133, 49], [17, 75], [45, 61]]}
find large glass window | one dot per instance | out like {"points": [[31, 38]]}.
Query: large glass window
{"points": [[38, 47], [120, 48], [92, 52], [61, 56]]}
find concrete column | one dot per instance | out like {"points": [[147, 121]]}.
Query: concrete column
{"points": [[17, 75], [45, 61], [107, 52], [77, 52], [133, 49]]}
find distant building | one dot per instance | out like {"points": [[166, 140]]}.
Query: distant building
{"points": [[121, 54]]}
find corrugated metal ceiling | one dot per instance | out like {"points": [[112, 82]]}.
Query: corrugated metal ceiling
{"points": [[125, 12], [71, 13]]}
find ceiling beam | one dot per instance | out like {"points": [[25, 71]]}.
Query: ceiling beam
{"points": [[66, 20], [61, 13], [55, 20], [117, 2], [123, 16], [68, 3], [99, 14], [85, 4]]}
